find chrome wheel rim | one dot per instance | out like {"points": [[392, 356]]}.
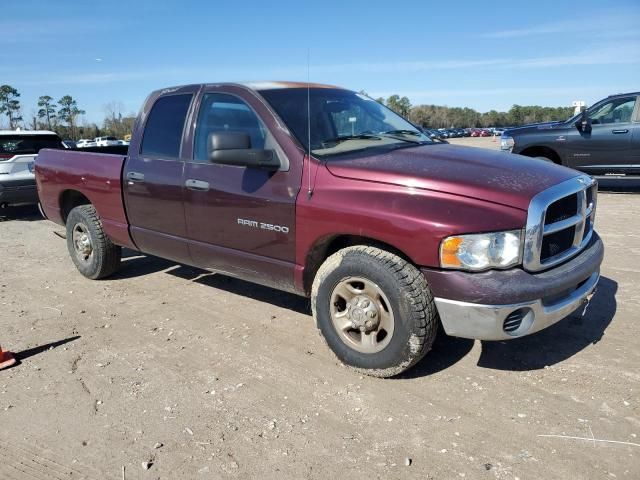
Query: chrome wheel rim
{"points": [[361, 314], [82, 242]]}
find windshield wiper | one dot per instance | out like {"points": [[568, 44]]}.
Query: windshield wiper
{"points": [[403, 132], [360, 136], [394, 134]]}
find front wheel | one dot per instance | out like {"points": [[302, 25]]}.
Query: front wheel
{"points": [[92, 252], [374, 309]]}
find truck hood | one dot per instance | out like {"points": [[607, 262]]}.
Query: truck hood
{"points": [[494, 176]]}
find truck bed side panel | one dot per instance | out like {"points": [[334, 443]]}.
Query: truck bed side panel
{"points": [[97, 176]]}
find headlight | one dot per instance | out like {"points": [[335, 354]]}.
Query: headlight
{"points": [[506, 142], [481, 251]]}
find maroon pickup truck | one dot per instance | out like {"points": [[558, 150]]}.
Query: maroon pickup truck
{"points": [[325, 193]]}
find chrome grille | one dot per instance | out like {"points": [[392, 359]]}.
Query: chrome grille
{"points": [[559, 223]]}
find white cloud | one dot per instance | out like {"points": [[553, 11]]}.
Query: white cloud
{"points": [[612, 54], [606, 55], [594, 24]]}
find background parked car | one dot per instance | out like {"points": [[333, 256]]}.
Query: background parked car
{"points": [[18, 150], [603, 140], [106, 141], [84, 143]]}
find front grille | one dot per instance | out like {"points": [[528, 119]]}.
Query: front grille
{"points": [[562, 209], [559, 223], [556, 243]]}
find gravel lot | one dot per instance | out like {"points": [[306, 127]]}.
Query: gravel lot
{"points": [[196, 375]]}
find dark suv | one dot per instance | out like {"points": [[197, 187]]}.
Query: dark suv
{"points": [[602, 140]]}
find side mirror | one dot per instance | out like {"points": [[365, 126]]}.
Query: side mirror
{"points": [[584, 124], [234, 148]]}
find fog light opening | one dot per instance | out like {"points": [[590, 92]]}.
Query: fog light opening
{"points": [[518, 322]]}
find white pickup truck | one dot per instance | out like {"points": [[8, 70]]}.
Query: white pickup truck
{"points": [[106, 141]]}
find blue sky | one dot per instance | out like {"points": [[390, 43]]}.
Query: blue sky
{"points": [[485, 55]]}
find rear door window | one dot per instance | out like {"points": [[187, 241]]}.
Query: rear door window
{"points": [[163, 131]]}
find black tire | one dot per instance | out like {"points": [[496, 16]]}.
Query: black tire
{"points": [[104, 257], [546, 159], [415, 317]]}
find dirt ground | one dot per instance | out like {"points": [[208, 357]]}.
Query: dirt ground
{"points": [[199, 375]]}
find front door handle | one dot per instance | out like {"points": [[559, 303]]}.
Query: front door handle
{"points": [[620, 131], [199, 185], [135, 176]]}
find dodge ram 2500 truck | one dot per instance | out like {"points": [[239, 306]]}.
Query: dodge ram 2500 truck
{"points": [[602, 140], [326, 193]]}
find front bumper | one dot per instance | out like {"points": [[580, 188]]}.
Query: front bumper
{"points": [[501, 305], [18, 192]]}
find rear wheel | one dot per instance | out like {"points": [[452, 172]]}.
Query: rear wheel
{"points": [[92, 252], [374, 309]]}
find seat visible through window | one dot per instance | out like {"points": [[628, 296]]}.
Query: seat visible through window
{"points": [[222, 112]]}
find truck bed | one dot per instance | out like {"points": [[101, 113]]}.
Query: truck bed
{"points": [[63, 175]]}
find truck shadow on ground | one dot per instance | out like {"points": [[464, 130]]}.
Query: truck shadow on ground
{"points": [[548, 347], [135, 264], [243, 288], [558, 342], [26, 213]]}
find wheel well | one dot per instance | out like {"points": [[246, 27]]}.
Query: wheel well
{"points": [[330, 245], [542, 152], [71, 199]]}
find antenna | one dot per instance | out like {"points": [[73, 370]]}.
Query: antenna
{"points": [[309, 190]]}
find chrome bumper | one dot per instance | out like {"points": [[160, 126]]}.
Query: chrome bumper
{"points": [[487, 322]]}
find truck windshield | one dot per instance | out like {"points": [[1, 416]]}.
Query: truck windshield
{"points": [[341, 121]]}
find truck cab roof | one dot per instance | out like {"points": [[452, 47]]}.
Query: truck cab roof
{"points": [[255, 86]]}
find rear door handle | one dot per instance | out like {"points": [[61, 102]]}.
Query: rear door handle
{"points": [[199, 185], [620, 131], [135, 176]]}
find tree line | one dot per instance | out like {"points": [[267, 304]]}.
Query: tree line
{"points": [[62, 116], [437, 116]]}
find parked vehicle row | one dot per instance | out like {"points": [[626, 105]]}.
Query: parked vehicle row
{"points": [[445, 133], [99, 142]]}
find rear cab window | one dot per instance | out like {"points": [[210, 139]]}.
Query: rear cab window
{"points": [[163, 131]]}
